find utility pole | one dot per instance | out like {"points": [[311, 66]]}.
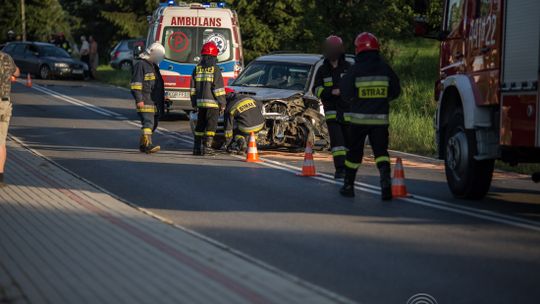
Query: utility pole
{"points": [[23, 20]]}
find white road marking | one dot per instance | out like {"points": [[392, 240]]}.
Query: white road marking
{"points": [[415, 199]]}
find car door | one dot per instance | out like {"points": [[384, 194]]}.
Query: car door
{"points": [[18, 56], [31, 59]]}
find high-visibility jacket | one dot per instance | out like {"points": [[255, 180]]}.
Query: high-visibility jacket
{"points": [[369, 86], [244, 113], [327, 79], [207, 89], [147, 86]]}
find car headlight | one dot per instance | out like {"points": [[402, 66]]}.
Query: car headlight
{"points": [[61, 65]]}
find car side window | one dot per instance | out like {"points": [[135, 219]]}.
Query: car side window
{"points": [[8, 48], [19, 49], [31, 50], [454, 15]]}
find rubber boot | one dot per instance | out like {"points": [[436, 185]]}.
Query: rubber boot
{"points": [[146, 145], [197, 146], [386, 181], [207, 146], [348, 184], [242, 145]]}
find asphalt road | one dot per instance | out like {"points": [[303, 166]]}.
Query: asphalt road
{"points": [[363, 249]]}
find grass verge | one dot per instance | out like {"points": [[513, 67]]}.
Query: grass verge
{"points": [[107, 74]]}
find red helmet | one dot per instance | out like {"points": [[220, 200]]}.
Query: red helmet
{"points": [[366, 42], [210, 48], [334, 40]]}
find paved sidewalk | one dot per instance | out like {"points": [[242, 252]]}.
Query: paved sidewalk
{"points": [[62, 240]]}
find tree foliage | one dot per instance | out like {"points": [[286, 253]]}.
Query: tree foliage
{"points": [[266, 26]]}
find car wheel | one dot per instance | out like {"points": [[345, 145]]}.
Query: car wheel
{"points": [[467, 177], [44, 72], [125, 66]]}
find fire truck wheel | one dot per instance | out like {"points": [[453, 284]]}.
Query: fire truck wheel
{"points": [[467, 177]]}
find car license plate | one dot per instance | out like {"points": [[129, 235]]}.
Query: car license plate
{"points": [[177, 94], [77, 71]]}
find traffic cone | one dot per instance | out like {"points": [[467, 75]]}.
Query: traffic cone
{"points": [[398, 182], [308, 168], [28, 80], [13, 78], [252, 153]]}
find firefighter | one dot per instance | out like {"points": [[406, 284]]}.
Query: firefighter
{"points": [[243, 115], [326, 87], [149, 92], [208, 97], [369, 86]]}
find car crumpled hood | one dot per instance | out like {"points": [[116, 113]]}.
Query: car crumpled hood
{"points": [[266, 93]]}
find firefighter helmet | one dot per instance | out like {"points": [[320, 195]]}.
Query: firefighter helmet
{"points": [[366, 42], [210, 48], [156, 52], [334, 40]]}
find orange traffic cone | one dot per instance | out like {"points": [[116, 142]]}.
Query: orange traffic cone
{"points": [[308, 168], [398, 182], [252, 153], [13, 78], [28, 80]]}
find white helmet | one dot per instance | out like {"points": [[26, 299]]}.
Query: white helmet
{"points": [[156, 52]]}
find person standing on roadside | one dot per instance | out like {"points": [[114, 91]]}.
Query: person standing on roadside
{"points": [[369, 86], [326, 87], [148, 89], [208, 97], [94, 57], [7, 70], [85, 51]]}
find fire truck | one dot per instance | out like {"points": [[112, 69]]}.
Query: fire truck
{"points": [[183, 28], [487, 91]]}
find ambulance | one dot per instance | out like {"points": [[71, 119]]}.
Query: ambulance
{"points": [[183, 28]]}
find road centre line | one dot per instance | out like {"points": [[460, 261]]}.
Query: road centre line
{"points": [[415, 199]]}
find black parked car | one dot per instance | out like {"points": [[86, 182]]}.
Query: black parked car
{"points": [[45, 60]]}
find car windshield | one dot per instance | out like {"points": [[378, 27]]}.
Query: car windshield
{"points": [[52, 51], [183, 44], [276, 75]]}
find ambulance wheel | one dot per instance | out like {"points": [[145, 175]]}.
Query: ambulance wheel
{"points": [[467, 177]]}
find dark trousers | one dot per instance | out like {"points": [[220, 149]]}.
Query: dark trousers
{"points": [[338, 142], [147, 115], [207, 121], [378, 138]]}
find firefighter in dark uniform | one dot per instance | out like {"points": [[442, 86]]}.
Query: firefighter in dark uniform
{"points": [[243, 115], [326, 87], [208, 97], [369, 86], [149, 92]]}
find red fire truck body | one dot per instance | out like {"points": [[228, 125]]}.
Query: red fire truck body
{"points": [[487, 92]]}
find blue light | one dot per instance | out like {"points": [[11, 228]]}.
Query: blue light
{"points": [[171, 3], [214, 4]]}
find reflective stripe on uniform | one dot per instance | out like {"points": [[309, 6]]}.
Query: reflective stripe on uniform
{"points": [[207, 103], [136, 85], [147, 131], [328, 82], [219, 92], [372, 87], [352, 165], [366, 119], [339, 151], [210, 133], [147, 109], [199, 133], [318, 91], [381, 159], [256, 128], [228, 134], [149, 76], [193, 91], [204, 77], [330, 115]]}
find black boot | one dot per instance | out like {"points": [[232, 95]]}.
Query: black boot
{"points": [[348, 185], [340, 173], [207, 146], [197, 146], [242, 145], [386, 181], [146, 145]]}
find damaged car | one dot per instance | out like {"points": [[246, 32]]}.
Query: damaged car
{"points": [[283, 82]]}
